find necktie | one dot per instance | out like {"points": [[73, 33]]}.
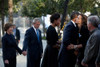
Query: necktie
{"points": [[37, 31]]}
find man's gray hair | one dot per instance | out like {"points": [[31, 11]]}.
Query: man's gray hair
{"points": [[94, 20], [35, 20]]}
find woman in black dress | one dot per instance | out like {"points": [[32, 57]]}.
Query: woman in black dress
{"points": [[9, 47], [51, 51], [83, 37]]}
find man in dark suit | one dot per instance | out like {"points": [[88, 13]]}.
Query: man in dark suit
{"points": [[33, 45], [16, 33], [67, 53]]}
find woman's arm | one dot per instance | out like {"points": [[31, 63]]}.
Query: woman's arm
{"points": [[5, 52]]}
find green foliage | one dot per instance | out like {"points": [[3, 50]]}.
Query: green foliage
{"points": [[5, 6], [33, 8], [37, 8], [81, 5], [17, 7]]}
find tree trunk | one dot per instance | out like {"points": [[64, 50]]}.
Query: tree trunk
{"points": [[63, 17], [10, 9], [65, 13], [2, 18], [2, 15], [0, 35], [31, 20]]}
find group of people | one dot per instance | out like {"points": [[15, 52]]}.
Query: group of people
{"points": [[80, 44]]}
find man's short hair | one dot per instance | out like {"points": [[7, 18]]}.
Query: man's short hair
{"points": [[94, 20], [35, 20], [73, 14]]}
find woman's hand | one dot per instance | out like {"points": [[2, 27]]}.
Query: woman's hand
{"points": [[56, 46], [85, 65], [80, 46], [6, 62], [24, 53], [70, 47]]}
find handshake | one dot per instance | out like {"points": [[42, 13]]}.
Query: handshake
{"points": [[24, 53]]}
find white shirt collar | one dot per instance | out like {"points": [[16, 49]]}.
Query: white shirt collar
{"points": [[34, 28], [73, 23]]}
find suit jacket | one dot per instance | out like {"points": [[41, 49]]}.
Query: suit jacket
{"points": [[32, 45], [17, 34], [9, 47], [91, 54], [98, 57], [70, 36]]}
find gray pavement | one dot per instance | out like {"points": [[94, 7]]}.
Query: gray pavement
{"points": [[21, 60]]}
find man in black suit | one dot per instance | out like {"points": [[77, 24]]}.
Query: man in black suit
{"points": [[33, 45], [67, 53], [16, 33]]}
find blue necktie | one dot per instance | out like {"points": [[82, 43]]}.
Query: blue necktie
{"points": [[37, 31]]}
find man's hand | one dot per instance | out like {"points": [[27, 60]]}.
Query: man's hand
{"points": [[85, 65], [69, 47], [56, 46], [6, 62], [24, 53]]}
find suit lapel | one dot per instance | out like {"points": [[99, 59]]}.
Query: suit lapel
{"points": [[34, 33], [72, 24], [74, 28]]}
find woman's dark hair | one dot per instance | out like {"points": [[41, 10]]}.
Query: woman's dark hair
{"points": [[84, 19], [74, 14], [7, 26], [54, 17]]}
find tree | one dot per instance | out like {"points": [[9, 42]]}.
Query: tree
{"points": [[81, 5], [33, 10], [37, 8], [3, 9], [64, 13], [11, 3], [0, 35], [4, 12], [10, 10], [4, 4]]}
